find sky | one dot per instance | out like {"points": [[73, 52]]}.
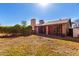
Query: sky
{"points": [[11, 13]]}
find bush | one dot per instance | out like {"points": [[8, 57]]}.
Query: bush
{"points": [[16, 30], [26, 30]]}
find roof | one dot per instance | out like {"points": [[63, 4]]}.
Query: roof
{"points": [[54, 22]]}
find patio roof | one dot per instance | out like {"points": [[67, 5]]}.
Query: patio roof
{"points": [[54, 22]]}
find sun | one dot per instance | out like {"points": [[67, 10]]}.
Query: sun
{"points": [[43, 4]]}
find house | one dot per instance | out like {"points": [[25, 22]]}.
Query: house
{"points": [[76, 23], [61, 27], [76, 28], [76, 32]]}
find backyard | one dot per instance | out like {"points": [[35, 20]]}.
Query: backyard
{"points": [[35, 45]]}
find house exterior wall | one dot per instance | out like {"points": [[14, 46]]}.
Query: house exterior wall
{"points": [[65, 28], [54, 29], [36, 30], [51, 29], [40, 29], [75, 32]]}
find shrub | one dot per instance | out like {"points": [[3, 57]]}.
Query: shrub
{"points": [[16, 30]]}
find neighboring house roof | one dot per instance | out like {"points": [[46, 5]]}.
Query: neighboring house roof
{"points": [[76, 24], [54, 22]]}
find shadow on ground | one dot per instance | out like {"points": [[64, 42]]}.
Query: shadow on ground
{"points": [[61, 38], [12, 36]]}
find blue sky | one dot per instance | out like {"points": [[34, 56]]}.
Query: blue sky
{"points": [[11, 14]]}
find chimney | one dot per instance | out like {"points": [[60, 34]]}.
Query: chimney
{"points": [[33, 23], [41, 22]]}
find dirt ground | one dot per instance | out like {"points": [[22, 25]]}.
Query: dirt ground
{"points": [[35, 45]]}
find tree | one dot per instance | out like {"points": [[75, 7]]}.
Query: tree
{"points": [[16, 29], [24, 23]]}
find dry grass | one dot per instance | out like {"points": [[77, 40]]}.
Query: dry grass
{"points": [[37, 46]]}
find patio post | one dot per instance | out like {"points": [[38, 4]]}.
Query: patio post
{"points": [[37, 30], [46, 30]]}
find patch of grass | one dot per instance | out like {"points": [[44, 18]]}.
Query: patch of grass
{"points": [[21, 50], [42, 51], [34, 46]]}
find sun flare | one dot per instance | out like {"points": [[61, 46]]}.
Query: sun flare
{"points": [[43, 4]]}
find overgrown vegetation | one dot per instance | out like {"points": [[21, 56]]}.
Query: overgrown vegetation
{"points": [[16, 30]]}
